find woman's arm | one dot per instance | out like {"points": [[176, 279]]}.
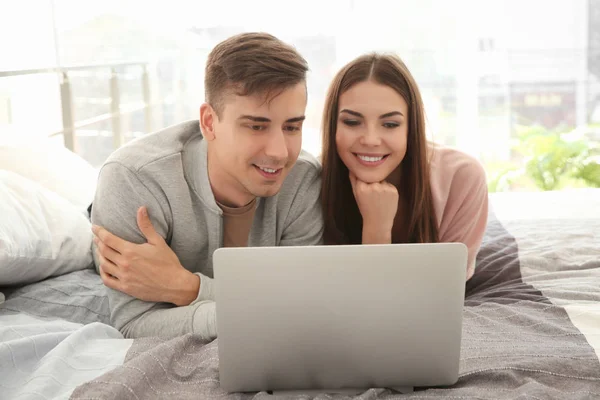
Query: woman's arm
{"points": [[464, 218], [378, 204]]}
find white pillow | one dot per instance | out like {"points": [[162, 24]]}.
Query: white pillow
{"points": [[41, 234], [54, 167]]}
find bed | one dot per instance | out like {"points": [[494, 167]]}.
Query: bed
{"points": [[531, 323]]}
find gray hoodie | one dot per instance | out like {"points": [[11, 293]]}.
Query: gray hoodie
{"points": [[167, 172]]}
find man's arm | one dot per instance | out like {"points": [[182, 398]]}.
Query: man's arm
{"points": [[119, 196], [149, 271]]}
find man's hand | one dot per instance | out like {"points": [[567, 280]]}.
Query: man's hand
{"points": [[378, 204], [149, 271]]}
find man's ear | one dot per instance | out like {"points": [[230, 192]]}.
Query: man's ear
{"points": [[208, 117]]}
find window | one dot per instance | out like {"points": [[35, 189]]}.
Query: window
{"points": [[484, 68]]}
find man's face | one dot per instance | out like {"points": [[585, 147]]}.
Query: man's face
{"points": [[254, 144]]}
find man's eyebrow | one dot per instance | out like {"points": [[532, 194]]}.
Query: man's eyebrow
{"points": [[296, 119], [355, 113], [255, 118]]}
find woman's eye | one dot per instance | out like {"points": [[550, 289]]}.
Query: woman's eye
{"points": [[351, 122], [391, 125]]}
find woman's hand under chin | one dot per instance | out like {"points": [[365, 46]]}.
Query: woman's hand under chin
{"points": [[378, 204]]}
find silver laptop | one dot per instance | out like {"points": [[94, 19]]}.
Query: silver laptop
{"points": [[331, 318]]}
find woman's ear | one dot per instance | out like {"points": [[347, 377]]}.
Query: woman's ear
{"points": [[207, 121]]}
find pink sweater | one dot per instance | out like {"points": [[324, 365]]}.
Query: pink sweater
{"points": [[460, 196]]}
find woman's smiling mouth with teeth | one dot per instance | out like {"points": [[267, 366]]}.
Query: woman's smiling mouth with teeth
{"points": [[370, 158]]}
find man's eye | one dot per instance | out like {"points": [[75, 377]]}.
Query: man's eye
{"points": [[291, 128], [257, 127]]}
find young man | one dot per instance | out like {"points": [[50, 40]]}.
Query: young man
{"points": [[236, 177]]}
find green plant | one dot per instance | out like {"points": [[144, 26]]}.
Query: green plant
{"points": [[501, 176], [551, 160], [589, 171]]}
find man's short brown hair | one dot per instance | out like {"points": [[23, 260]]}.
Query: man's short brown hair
{"points": [[251, 63]]}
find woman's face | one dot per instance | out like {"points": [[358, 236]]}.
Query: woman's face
{"points": [[372, 129]]}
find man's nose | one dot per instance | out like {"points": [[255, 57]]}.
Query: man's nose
{"points": [[276, 146]]}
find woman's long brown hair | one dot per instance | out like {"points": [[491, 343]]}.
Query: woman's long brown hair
{"points": [[343, 222]]}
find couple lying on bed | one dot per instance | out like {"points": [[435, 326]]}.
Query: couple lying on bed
{"points": [[238, 177]]}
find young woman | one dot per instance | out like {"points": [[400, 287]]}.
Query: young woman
{"points": [[383, 182]]}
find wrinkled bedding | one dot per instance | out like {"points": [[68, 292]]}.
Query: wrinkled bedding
{"points": [[531, 323]]}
